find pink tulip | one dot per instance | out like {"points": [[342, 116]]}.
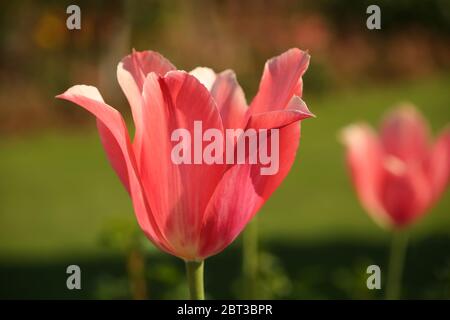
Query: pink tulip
{"points": [[195, 211], [398, 175]]}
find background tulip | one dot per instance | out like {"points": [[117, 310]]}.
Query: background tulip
{"points": [[398, 174], [195, 211]]}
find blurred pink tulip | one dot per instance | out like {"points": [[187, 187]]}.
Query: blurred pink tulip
{"points": [[195, 211], [398, 175]]}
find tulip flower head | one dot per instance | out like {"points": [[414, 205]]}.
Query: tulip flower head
{"points": [[188, 204], [398, 174]]}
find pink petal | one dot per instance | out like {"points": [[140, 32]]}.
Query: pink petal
{"points": [[296, 110], [116, 142], [439, 164], [240, 194], [140, 63], [365, 161], [405, 135], [230, 100], [281, 80], [405, 194], [206, 76], [229, 211], [178, 193], [131, 73]]}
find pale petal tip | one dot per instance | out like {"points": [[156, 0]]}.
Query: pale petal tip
{"points": [[353, 133], [228, 72], [404, 110], [289, 53], [307, 112], [297, 104], [82, 90], [205, 75]]}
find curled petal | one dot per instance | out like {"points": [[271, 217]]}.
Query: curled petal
{"points": [[296, 110], [281, 80], [116, 142]]}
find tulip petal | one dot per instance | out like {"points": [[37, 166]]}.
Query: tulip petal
{"points": [[140, 63], [131, 73], [296, 110], [206, 76], [405, 193], [404, 134], [439, 164], [229, 211], [241, 193], [116, 142], [230, 100], [178, 193], [281, 80], [365, 158]]}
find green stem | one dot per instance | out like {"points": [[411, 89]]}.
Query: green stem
{"points": [[250, 260], [396, 261], [194, 272], [136, 273]]}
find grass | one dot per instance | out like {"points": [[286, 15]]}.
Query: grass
{"points": [[58, 194]]}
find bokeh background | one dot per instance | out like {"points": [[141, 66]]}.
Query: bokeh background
{"points": [[61, 204]]}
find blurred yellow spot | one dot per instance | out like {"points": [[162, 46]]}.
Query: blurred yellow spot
{"points": [[50, 32]]}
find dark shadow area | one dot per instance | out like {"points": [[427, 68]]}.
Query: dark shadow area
{"points": [[332, 270]]}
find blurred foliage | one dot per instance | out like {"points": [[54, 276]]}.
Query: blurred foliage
{"points": [[40, 57], [125, 237], [271, 281], [352, 280]]}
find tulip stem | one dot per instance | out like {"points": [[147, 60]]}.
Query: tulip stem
{"points": [[136, 274], [250, 259], [194, 272], [396, 261]]}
